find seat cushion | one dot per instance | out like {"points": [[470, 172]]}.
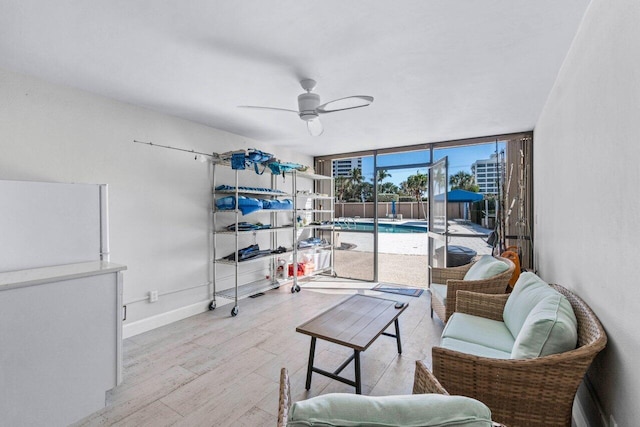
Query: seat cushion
{"points": [[479, 330], [474, 349], [439, 291], [350, 410], [486, 267]]}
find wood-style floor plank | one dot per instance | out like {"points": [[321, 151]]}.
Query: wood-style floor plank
{"points": [[216, 370]]}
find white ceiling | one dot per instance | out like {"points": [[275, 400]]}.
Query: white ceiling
{"points": [[438, 69]]}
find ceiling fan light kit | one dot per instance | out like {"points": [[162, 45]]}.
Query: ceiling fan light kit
{"points": [[307, 104], [309, 108]]}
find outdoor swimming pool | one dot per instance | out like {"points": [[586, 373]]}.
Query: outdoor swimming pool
{"points": [[410, 227]]}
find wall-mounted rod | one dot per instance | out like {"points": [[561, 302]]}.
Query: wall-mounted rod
{"points": [[174, 148]]}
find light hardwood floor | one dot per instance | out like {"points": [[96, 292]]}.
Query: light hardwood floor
{"points": [[215, 370]]}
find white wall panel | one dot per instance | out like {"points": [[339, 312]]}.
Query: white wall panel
{"points": [[159, 199], [586, 189]]}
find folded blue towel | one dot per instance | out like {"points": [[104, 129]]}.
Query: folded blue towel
{"points": [[277, 204], [241, 189], [245, 204]]}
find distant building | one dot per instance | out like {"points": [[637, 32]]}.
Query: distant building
{"points": [[343, 167], [486, 174]]}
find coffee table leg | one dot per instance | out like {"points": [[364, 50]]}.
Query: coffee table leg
{"points": [[398, 336], [356, 359], [312, 352]]}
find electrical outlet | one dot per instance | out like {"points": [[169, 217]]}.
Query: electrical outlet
{"points": [[612, 421], [153, 296]]}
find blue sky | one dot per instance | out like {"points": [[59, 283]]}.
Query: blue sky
{"points": [[460, 159]]}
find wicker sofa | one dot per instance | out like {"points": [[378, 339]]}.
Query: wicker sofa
{"points": [[536, 391], [446, 282]]}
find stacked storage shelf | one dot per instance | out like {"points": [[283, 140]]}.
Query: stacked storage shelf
{"points": [[240, 237], [314, 212], [232, 231]]}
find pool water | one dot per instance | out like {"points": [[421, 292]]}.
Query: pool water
{"points": [[383, 227]]}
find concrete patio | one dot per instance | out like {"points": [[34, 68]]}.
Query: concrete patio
{"points": [[402, 257]]}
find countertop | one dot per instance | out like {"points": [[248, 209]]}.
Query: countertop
{"points": [[56, 273]]}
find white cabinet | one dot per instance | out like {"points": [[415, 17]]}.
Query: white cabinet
{"points": [[60, 342]]}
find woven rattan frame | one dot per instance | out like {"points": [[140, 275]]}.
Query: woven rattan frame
{"points": [[523, 392], [453, 278], [284, 400], [425, 382]]}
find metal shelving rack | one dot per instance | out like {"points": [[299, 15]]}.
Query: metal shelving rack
{"points": [[320, 215], [239, 291]]}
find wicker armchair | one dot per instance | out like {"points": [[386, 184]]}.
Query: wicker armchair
{"points": [[453, 278], [531, 392], [424, 382]]}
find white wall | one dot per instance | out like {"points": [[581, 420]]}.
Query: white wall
{"points": [[587, 198], [158, 199]]}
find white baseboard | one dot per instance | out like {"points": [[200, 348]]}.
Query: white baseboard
{"points": [[587, 411], [579, 418], [144, 325]]}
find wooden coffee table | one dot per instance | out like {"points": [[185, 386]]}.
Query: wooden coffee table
{"points": [[355, 323]]}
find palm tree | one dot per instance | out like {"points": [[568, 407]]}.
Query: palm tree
{"points": [[366, 192], [388, 187], [417, 185], [342, 184], [404, 189], [356, 179], [463, 181], [439, 179], [356, 176], [382, 174]]}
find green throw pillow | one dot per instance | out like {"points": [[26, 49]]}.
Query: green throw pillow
{"points": [[416, 410], [486, 267], [550, 328], [540, 318], [528, 291]]}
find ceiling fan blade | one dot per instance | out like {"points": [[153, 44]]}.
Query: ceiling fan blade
{"points": [[347, 103], [266, 108], [315, 127]]}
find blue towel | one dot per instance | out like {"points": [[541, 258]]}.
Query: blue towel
{"points": [[246, 205], [277, 204]]}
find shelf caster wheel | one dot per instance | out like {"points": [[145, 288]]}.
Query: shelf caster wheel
{"points": [[212, 306], [234, 311], [295, 288]]}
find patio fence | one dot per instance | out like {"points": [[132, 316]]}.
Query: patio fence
{"points": [[405, 210]]}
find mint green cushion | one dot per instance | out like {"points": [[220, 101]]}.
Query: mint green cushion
{"points": [[439, 291], [479, 330], [474, 349], [349, 410], [528, 291], [550, 328], [486, 267]]}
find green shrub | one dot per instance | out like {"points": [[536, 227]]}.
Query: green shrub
{"points": [[387, 197]]}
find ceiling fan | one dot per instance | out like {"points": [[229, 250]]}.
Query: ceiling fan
{"points": [[309, 108]]}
